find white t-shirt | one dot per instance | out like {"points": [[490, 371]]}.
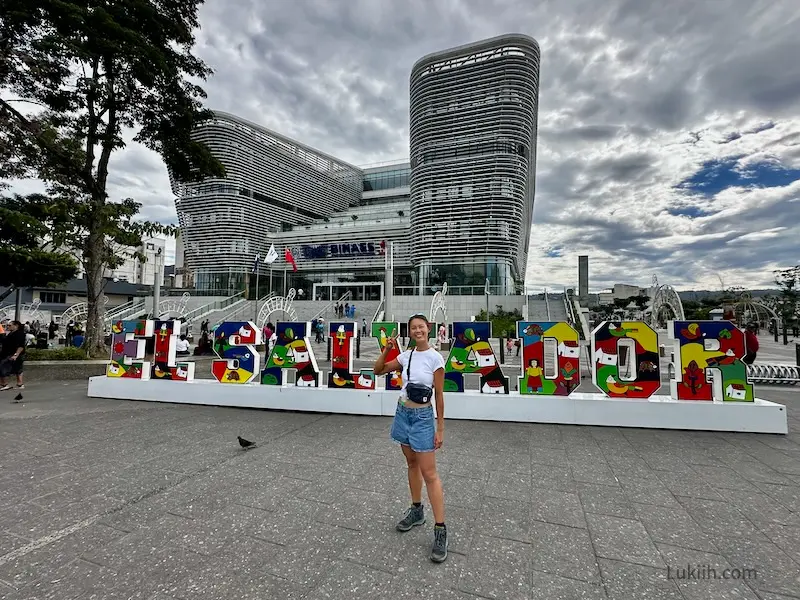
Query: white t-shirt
{"points": [[182, 345], [423, 365]]}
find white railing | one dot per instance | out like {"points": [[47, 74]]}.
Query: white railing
{"points": [[206, 309], [547, 305], [377, 316], [345, 297]]}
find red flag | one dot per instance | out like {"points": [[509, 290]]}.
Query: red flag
{"points": [[287, 254]]}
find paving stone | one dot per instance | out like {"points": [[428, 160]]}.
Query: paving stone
{"points": [[596, 472], [560, 508], [510, 519], [776, 571], [553, 478], [463, 491], [547, 586], [622, 539], [687, 484], [627, 580], [675, 526], [71, 581], [717, 517], [350, 580], [605, 500], [649, 492], [549, 456], [761, 509], [562, 550], [497, 569], [699, 575], [786, 537], [511, 486], [787, 495]]}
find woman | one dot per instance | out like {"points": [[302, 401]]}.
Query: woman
{"points": [[422, 370], [12, 355]]}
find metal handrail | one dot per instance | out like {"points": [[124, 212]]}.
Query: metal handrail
{"points": [[547, 305], [192, 315], [376, 317], [346, 296]]}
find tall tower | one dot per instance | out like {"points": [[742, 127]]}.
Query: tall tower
{"points": [[583, 278], [473, 129]]}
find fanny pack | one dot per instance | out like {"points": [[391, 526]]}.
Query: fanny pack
{"points": [[416, 392]]}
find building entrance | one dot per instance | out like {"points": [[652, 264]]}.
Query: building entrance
{"points": [[360, 290]]}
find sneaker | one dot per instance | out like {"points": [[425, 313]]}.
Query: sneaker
{"points": [[439, 549], [21, 387], [5, 388], [414, 516]]}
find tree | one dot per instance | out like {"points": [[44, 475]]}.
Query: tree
{"points": [[25, 230], [788, 299], [94, 70]]}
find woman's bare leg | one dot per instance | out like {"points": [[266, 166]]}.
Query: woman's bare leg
{"points": [[426, 462], [414, 474]]}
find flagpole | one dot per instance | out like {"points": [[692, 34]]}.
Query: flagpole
{"points": [[284, 282], [258, 272]]}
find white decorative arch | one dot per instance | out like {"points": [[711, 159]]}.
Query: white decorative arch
{"points": [[438, 304], [746, 310], [277, 304], [27, 312], [665, 298], [174, 307], [78, 312]]}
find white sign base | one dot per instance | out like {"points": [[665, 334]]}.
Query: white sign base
{"points": [[657, 412]]}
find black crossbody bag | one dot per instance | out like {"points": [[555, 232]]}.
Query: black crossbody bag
{"points": [[416, 392]]}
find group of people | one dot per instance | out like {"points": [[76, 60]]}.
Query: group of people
{"points": [[345, 310]]}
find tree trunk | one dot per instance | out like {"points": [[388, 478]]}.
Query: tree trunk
{"points": [[94, 342]]}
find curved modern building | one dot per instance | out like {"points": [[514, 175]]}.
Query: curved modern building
{"points": [[467, 192], [272, 182], [473, 157]]}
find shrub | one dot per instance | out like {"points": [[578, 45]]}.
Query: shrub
{"points": [[69, 353]]}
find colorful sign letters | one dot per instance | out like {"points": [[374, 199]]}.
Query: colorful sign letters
{"points": [[382, 331], [292, 350], [235, 343], [128, 343], [708, 363], [551, 358], [625, 361], [472, 353], [343, 336]]}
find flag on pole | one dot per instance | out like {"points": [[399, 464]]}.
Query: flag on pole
{"points": [[287, 254], [272, 255], [255, 264]]}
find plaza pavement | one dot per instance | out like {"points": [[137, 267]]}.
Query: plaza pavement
{"points": [[117, 500]]}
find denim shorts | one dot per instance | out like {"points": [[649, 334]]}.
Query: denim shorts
{"points": [[414, 427]]}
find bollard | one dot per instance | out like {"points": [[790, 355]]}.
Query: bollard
{"points": [[797, 353], [358, 346], [502, 351], [329, 349]]}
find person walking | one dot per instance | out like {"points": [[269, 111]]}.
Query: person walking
{"points": [[751, 344], [12, 355], [415, 428]]}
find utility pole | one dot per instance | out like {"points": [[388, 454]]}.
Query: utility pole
{"points": [[157, 285]]}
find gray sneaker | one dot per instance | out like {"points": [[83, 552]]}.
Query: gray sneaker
{"points": [[439, 549], [414, 516]]}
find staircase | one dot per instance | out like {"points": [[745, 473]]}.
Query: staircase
{"points": [[213, 310], [537, 310], [558, 312]]}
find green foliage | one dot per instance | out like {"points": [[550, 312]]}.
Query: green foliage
{"points": [[96, 74], [504, 323], [69, 353], [787, 301], [25, 227]]}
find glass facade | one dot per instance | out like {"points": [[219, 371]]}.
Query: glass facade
{"points": [[386, 180]]}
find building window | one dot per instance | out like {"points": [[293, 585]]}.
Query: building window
{"points": [[53, 297]]}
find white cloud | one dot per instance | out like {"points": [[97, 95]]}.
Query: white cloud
{"points": [[635, 98]]}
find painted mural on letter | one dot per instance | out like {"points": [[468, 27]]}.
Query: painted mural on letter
{"points": [[471, 353], [562, 353], [710, 368], [382, 331], [292, 350], [128, 343], [343, 341], [235, 344], [632, 345]]}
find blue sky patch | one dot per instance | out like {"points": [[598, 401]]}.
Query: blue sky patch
{"points": [[687, 211], [555, 252], [720, 174]]}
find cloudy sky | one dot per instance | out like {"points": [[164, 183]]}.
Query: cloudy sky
{"points": [[669, 138]]}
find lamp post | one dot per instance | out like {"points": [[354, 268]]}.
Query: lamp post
{"points": [[486, 291]]}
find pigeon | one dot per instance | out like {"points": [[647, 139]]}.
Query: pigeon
{"points": [[18, 398], [245, 443]]}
